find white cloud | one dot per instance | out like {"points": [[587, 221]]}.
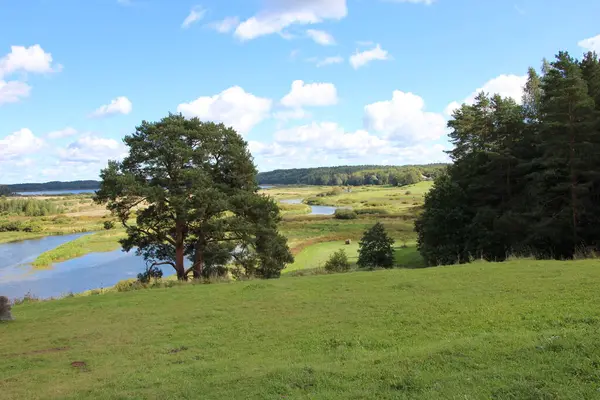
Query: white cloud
{"points": [[591, 44], [225, 25], [120, 105], [310, 94], [321, 37], [234, 107], [196, 14], [450, 108], [325, 142], [63, 133], [329, 61], [31, 59], [13, 91], [404, 119], [91, 149], [23, 60], [18, 144], [362, 58], [504, 85], [280, 14]]}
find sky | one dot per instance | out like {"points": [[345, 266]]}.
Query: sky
{"points": [[306, 82]]}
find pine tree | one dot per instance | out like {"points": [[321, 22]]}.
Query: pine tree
{"points": [[375, 248], [565, 133]]}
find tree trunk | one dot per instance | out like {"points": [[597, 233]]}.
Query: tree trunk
{"points": [[179, 252], [198, 260]]}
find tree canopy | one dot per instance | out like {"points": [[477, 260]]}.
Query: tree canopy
{"points": [[526, 177], [375, 248], [187, 189]]}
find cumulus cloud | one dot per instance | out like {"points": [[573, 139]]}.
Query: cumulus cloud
{"points": [[225, 25], [404, 119], [234, 107], [13, 91], [31, 59], [320, 142], [18, 144], [362, 58], [23, 60], [63, 133], [310, 94], [120, 105], [320, 37], [280, 14], [591, 44], [195, 15], [504, 85], [90, 149]]}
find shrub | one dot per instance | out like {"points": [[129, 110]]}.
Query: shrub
{"points": [[408, 193], [108, 225], [372, 211], [341, 213], [151, 272], [338, 262]]}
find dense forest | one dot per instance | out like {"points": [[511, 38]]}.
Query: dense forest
{"points": [[352, 175], [526, 177], [38, 187]]}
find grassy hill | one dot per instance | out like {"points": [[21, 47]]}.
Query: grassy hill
{"points": [[517, 330]]}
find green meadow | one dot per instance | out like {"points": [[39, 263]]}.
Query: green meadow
{"points": [[516, 330]]}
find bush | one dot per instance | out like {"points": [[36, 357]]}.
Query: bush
{"points": [[372, 211], [341, 213], [338, 262], [408, 193], [151, 272], [108, 225], [17, 226]]}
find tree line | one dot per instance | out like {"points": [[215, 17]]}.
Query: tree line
{"points": [[55, 185], [525, 178], [28, 207], [356, 175]]}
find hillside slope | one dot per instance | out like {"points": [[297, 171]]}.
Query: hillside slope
{"points": [[519, 330]]}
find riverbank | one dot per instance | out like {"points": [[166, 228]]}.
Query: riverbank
{"points": [[99, 242]]}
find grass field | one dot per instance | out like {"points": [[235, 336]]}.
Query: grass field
{"points": [[517, 330], [316, 255]]}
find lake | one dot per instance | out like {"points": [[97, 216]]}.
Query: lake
{"points": [[57, 192], [92, 271], [315, 210], [85, 191]]}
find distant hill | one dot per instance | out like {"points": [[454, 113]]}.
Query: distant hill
{"points": [[55, 185], [350, 175]]}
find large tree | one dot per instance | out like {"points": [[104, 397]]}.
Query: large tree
{"points": [[188, 189]]}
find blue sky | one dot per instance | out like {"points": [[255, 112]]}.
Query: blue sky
{"points": [[307, 82]]}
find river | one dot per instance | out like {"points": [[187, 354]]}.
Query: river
{"points": [[92, 271], [315, 210]]}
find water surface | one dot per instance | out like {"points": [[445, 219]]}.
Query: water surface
{"points": [[314, 210], [92, 271], [57, 192]]}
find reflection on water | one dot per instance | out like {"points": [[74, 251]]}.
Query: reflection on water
{"points": [[314, 210], [91, 271]]}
